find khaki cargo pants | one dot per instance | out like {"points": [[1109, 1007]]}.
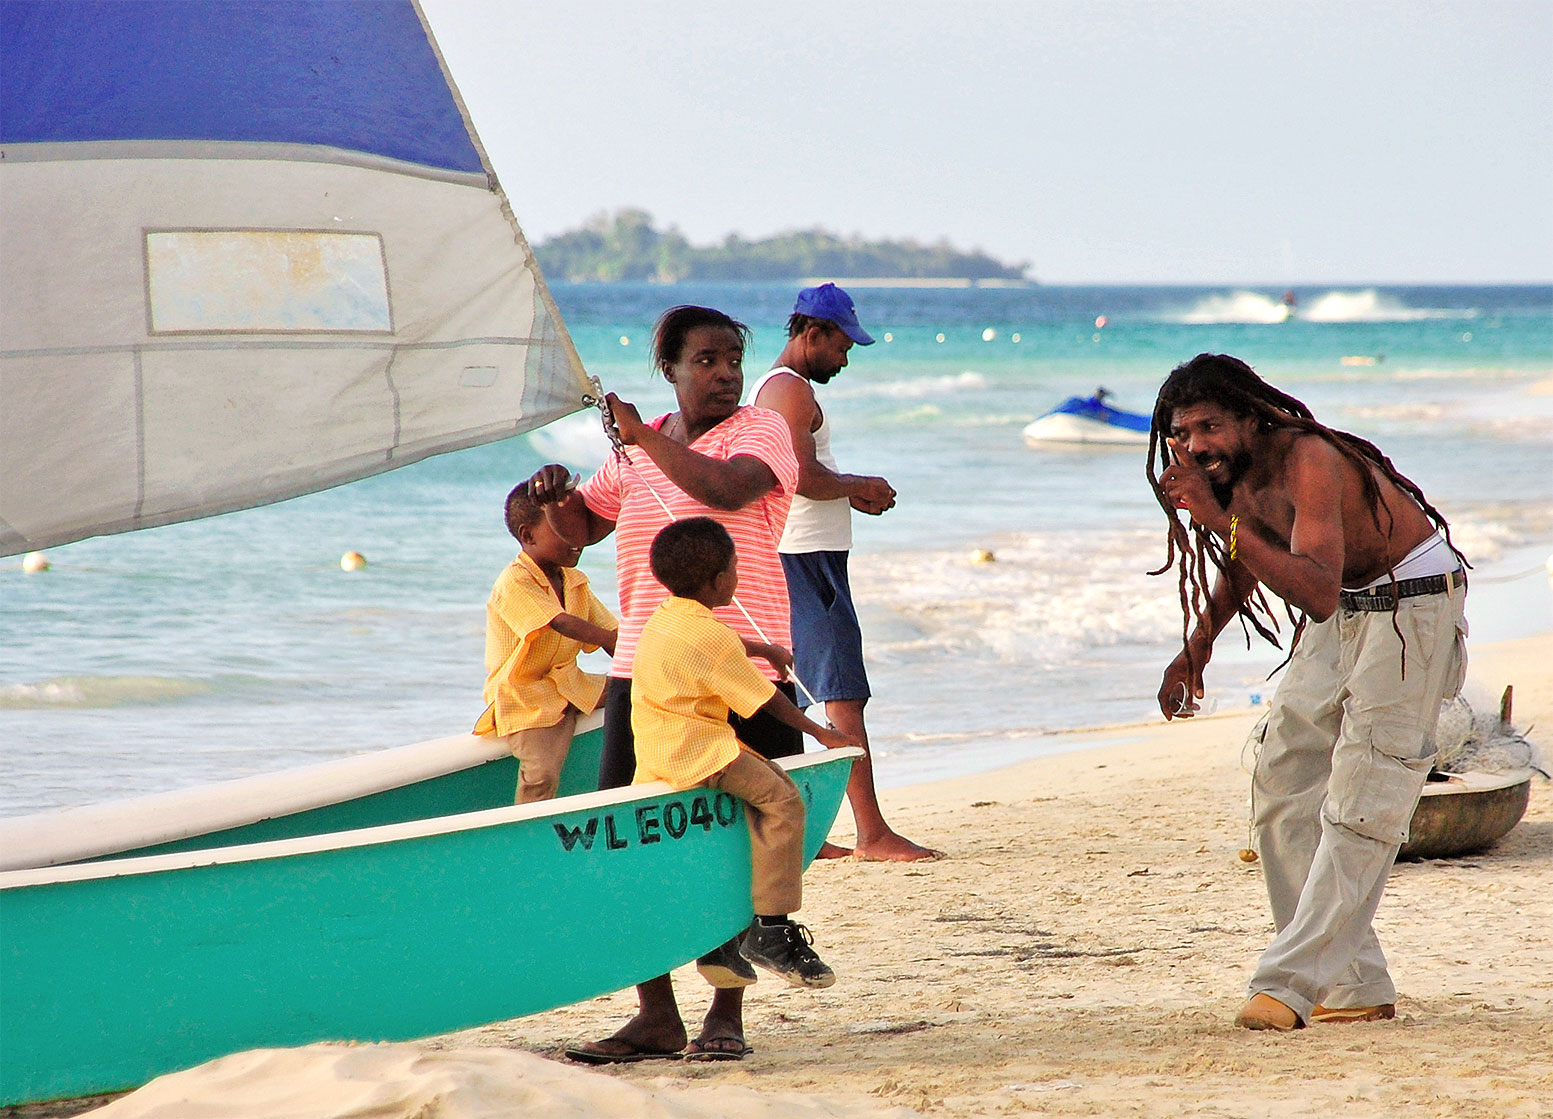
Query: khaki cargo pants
{"points": [[1344, 755], [773, 809], [541, 753]]}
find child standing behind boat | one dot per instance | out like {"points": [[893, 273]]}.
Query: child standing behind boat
{"points": [[690, 671], [541, 614]]}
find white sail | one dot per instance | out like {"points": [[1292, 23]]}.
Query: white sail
{"points": [[250, 250]]}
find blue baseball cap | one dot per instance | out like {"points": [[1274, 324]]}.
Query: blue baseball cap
{"points": [[834, 305]]}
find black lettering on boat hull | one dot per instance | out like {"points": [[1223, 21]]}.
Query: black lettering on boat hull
{"points": [[652, 822], [647, 824], [570, 836], [676, 819]]}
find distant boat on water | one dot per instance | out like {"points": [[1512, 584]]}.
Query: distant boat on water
{"points": [[1088, 419]]}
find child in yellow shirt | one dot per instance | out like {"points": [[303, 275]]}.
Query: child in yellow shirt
{"points": [[690, 671], [541, 614]]}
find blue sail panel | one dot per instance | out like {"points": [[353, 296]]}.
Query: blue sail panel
{"points": [[354, 74]]}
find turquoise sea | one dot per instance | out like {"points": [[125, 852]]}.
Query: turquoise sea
{"points": [[237, 645]]}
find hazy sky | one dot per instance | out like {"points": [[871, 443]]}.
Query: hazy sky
{"points": [[1164, 141]]}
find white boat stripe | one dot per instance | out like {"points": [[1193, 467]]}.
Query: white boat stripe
{"points": [[72, 834], [366, 837]]}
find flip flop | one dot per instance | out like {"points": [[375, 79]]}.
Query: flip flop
{"points": [[590, 1053], [697, 1051]]}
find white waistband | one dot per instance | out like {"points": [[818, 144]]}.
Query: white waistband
{"points": [[1432, 557]]}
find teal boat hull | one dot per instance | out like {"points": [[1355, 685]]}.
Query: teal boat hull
{"points": [[114, 972]]}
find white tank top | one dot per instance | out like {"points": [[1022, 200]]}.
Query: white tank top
{"points": [[814, 526]]}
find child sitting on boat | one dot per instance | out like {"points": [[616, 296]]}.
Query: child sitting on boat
{"points": [[690, 671], [541, 614]]}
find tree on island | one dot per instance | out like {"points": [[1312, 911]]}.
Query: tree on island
{"points": [[628, 246]]}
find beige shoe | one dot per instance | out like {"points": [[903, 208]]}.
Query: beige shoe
{"points": [[1263, 1012], [1382, 1013]]}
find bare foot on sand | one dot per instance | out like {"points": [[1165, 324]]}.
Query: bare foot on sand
{"points": [[829, 850], [892, 848]]}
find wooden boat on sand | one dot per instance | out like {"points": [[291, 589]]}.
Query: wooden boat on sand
{"points": [[1466, 813]]}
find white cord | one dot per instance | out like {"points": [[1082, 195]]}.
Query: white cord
{"points": [[598, 400]]}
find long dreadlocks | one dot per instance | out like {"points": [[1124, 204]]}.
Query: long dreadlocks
{"points": [[1233, 385]]}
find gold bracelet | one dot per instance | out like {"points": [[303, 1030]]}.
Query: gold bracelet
{"points": [[1234, 525]]}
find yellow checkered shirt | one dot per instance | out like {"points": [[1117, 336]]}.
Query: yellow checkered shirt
{"points": [[690, 671], [532, 671]]}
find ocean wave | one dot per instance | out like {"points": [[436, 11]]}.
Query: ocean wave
{"points": [[1002, 419], [1489, 404], [1471, 373], [1486, 532], [1507, 427], [967, 381], [1366, 305], [1042, 601], [1415, 412], [99, 691], [1369, 305], [578, 441], [1384, 370], [1236, 307]]}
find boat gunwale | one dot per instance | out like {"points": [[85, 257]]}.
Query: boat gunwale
{"points": [[367, 837], [1478, 781], [55, 837]]}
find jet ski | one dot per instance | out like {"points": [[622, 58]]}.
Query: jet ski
{"points": [[1088, 419]]}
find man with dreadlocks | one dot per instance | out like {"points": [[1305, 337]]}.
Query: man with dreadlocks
{"points": [[1374, 589]]}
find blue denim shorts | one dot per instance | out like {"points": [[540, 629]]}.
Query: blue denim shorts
{"points": [[827, 640]]}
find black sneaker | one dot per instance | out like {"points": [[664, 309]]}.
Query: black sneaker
{"points": [[724, 968], [784, 949]]}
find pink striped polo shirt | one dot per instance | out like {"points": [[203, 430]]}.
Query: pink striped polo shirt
{"points": [[620, 493]]}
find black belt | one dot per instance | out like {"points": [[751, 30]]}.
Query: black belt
{"points": [[1385, 596]]}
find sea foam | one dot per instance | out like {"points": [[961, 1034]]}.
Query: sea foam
{"points": [[98, 691]]}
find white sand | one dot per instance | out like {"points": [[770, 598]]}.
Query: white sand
{"points": [[1082, 952], [391, 1081]]}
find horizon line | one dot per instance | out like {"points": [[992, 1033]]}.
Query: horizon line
{"points": [[999, 282]]}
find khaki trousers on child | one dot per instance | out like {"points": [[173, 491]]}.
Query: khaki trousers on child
{"points": [[541, 752], [1347, 746], [773, 807]]}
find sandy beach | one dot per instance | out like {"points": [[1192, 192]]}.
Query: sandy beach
{"points": [[1082, 951]]}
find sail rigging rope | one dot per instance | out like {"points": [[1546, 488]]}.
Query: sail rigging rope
{"points": [[598, 399]]}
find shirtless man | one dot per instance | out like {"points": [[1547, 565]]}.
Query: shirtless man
{"points": [[827, 640], [1365, 567]]}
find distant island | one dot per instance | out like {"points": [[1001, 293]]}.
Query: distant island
{"points": [[628, 247]]}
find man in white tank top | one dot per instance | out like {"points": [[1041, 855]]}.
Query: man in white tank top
{"points": [[827, 640]]}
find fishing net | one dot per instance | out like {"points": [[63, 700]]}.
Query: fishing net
{"points": [[1470, 740]]}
